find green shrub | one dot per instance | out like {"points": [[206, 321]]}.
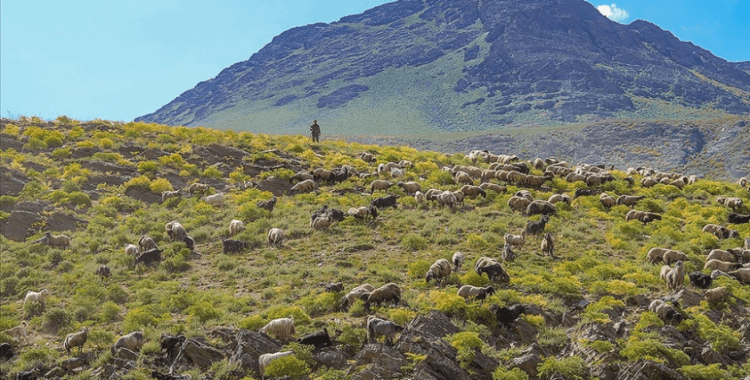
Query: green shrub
{"points": [[159, 185], [101, 338], [413, 242], [44, 356], [503, 373], [62, 153], [287, 366], [353, 336], [300, 317], [704, 372], [651, 349], [144, 316], [417, 269], [109, 311], [147, 167], [203, 311], [253, 322], [570, 367]]}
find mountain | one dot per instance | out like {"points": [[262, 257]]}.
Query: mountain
{"points": [[426, 66]]}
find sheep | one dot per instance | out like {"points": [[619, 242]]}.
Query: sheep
{"points": [[397, 173], [353, 295], [678, 183], [540, 207], [747, 243], [380, 327], [656, 254], [265, 360], [644, 217], [235, 227], [363, 212], [742, 182], [40, 297], [492, 186], [18, 333], [700, 280], [6, 351], [458, 261], [175, 230], [439, 271], [506, 315], [267, 205], [419, 197], [716, 294], [673, 276], [103, 272], [515, 240], [508, 254], [197, 188], [76, 339], [303, 186], [334, 287], [524, 194], [383, 202], [586, 192], [318, 339], [537, 227], [723, 266], [169, 194], [281, 328], [341, 174], [469, 291], [554, 198], [575, 177], [672, 256], [301, 176], [738, 218], [548, 245], [132, 249], [463, 177], [149, 257], [648, 182], [321, 174], [742, 275], [459, 197], [409, 187], [386, 293], [234, 246], [321, 223], [171, 345], [630, 180], [607, 200], [518, 203], [275, 237], [665, 311], [495, 271], [215, 200], [720, 254], [56, 241], [380, 184], [473, 191], [734, 203], [145, 242], [721, 232], [132, 341]]}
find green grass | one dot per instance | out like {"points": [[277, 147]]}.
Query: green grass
{"points": [[601, 257]]}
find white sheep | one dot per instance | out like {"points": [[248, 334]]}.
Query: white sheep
{"points": [[380, 327], [380, 184], [469, 291], [18, 332], [76, 339], [215, 200], [235, 227], [169, 194], [301, 176], [519, 204], [146, 242], [175, 230], [387, 293], [197, 187], [275, 237], [656, 254], [463, 177], [554, 198], [303, 186], [742, 182], [419, 197], [492, 186], [459, 196], [665, 311], [515, 240], [397, 173], [721, 265], [355, 294], [720, 254], [132, 341], [265, 360], [607, 200], [672, 256], [132, 250], [716, 294], [447, 198], [742, 275], [40, 297], [320, 223], [280, 328], [458, 261], [548, 245], [508, 254], [410, 187], [55, 240], [439, 271]]}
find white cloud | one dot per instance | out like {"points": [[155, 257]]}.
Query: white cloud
{"points": [[613, 13]]}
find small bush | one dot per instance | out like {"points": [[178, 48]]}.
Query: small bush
{"points": [[417, 269], [503, 373], [704, 372], [287, 366], [467, 344], [570, 367], [413, 242], [160, 184], [147, 167]]}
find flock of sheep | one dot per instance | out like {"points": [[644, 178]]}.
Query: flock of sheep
{"points": [[505, 168]]}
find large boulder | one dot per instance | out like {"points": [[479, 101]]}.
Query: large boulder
{"points": [[384, 360], [647, 370], [250, 346]]}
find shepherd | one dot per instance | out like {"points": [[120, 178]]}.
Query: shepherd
{"points": [[315, 131]]}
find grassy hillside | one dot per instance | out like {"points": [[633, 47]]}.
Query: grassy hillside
{"points": [[601, 256]]}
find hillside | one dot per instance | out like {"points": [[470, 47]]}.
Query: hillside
{"points": [[426, 67], [586, 309]]}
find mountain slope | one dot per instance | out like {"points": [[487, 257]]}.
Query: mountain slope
{"points": [[427, 66]]}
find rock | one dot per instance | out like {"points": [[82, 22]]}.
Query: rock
{"points": [[17, 226], [105, 167], [9, 142], [367, 374], [526, 332], [432, 326], [606, 371], [639, 300], [126, 354], [529, 360], [385, 360], [226, 151], [709, 356], [648, 370], [250, 345], [199, 353], [143, 195], [688, 298], [84, 152], [331, 357], [78, 362], [56, 372], [423, 336], [13, 181], [64, 222]]}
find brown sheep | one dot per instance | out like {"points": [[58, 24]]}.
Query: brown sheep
{"points": [[548, 245], [607, 200], [656, 254], [628, 200], [494, 187], [439, 271], [554, 198], [721, 265], [518, 204], [672, 256], [742, 275]]}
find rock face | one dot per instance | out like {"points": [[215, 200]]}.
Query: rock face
{"points": [[499, 59]]}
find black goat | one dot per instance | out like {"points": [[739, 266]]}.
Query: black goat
{"points": [[537, 227], [506, 315], [267, 205], [149, 257], [383, 202], [738, 218], [171, 345], [6, 351], [231, 245], [586, 192], [700, 280], [319, 339]]}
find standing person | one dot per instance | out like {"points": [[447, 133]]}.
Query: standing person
{"points": [[315, 131]]}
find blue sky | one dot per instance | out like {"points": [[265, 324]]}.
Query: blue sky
{"points": [[118, 60]]}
